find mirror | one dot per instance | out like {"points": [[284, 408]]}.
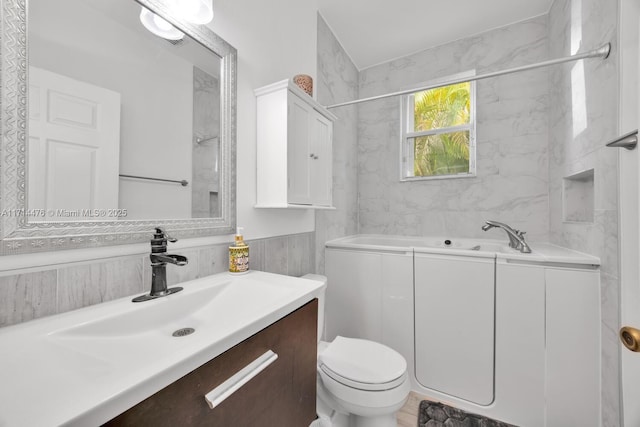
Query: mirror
{"points": [[125, 130]]}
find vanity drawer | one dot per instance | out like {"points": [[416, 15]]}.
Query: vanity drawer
{"points": [[283, 394]]}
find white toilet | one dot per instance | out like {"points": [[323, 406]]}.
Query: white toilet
{"points": [[361, 383]]}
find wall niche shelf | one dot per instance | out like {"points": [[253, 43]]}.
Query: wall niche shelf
{"points": [[578, 197]]}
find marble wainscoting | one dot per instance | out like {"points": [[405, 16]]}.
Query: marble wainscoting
{"points": [[512, 134], [337, 81], [29, 294]]}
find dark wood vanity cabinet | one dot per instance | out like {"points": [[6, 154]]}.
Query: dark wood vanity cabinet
{"points": [[283, 395]]}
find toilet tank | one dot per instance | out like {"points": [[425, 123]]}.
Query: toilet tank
{"points": [[320, 295]]}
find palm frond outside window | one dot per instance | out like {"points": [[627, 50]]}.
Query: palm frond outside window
{"points": [[438, 135]]}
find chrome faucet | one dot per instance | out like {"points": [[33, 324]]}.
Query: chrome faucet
{"points": [[159, 260], [516, 237]]}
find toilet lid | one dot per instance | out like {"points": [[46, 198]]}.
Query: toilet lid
{"points": [[363, 362]]}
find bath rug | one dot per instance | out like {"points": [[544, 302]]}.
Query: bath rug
{"points": [[435, 414]]}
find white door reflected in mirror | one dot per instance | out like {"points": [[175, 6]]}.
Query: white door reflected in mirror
{"points": [[74, 146], [170, 97]]}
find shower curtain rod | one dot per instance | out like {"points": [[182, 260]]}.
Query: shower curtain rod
{"points": [[601, 52]]}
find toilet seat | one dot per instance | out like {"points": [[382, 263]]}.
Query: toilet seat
{"points": [[363, 364], [363, 386]]}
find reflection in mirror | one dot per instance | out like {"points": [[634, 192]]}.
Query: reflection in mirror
{"points": [[122, 123], [156, 138]]}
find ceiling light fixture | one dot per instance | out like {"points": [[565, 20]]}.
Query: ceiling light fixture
{"points": [[159, 26], [197, 12]]}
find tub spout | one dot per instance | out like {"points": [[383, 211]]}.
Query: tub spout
{"points": [[516, 237]]}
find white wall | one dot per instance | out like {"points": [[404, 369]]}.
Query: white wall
{"points": [[275, 41]]}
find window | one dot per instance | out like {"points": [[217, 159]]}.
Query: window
{"points": [[438, 132]]}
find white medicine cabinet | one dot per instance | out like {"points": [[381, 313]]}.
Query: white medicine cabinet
{"points": [[294, 149]]}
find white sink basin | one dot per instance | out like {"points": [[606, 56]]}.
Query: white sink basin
{"points": [[150, 316], [211, 308], [91, 364], [204, 303]]}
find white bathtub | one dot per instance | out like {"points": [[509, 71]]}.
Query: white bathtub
{"points": [[541, 252], [482, 326]]}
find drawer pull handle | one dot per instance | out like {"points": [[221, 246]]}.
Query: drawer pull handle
{"points": [[240, 378]]}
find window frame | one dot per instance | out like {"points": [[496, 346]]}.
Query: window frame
{"points": [[407, 122]]}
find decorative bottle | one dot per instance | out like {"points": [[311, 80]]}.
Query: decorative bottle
{"points": [[239, 254]]}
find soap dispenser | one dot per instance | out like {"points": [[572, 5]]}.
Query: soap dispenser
{"points": [[239, 254]]}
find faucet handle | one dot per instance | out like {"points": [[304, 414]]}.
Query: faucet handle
{"points": [[161, 234]]}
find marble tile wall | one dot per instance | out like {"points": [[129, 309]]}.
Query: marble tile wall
{"points": [[583, 115], [204, 157], [337, 81], [29, 295], [512, 152]]}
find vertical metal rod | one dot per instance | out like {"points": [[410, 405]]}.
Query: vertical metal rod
{"points": [[601, 52]]}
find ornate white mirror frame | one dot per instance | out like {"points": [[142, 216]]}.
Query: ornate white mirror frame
{"points": [[17, 233]]}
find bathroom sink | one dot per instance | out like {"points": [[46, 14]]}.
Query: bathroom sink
{"points": [[199, 305], [154, 316], [95, 362], [204, 308]]}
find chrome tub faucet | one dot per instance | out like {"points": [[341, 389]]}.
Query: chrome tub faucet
{"points": [[159, 260], [516, 237]]}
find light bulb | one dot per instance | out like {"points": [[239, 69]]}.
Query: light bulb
{"points": [[159, 26], [195, 11], [161, 23]]}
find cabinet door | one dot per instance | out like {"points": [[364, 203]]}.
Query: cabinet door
{"points": [[299, 141], [284, 394], [321, 160]]}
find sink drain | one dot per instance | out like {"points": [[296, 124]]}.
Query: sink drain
{"points": [[183, 332]]}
